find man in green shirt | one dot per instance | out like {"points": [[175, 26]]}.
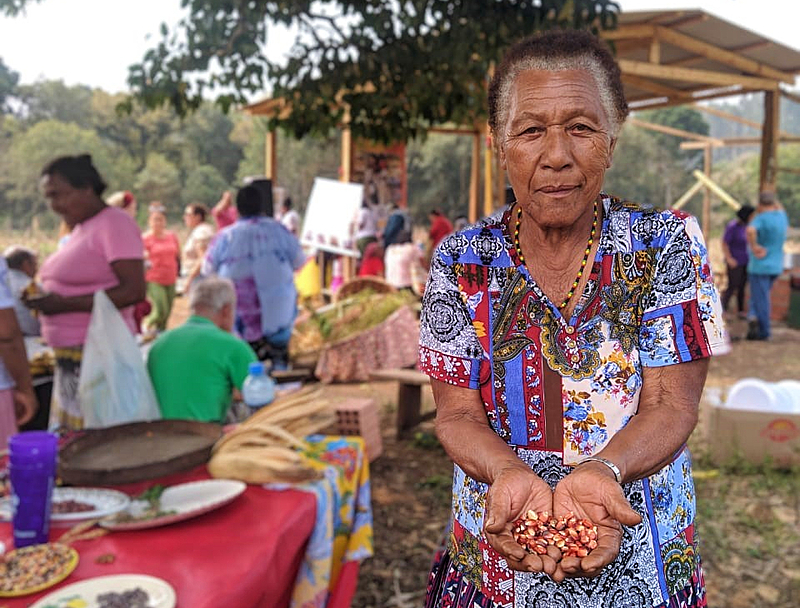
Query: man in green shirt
{"points": [[199, 367]]}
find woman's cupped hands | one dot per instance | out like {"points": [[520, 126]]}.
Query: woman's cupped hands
{"points": [[587, 493]]}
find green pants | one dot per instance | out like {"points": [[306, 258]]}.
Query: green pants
{"points": [[161, 297]]}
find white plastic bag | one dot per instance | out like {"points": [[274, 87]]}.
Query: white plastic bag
{"points": [[114, 386]]}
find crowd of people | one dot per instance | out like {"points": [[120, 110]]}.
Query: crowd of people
{"points": [[236, 266]]}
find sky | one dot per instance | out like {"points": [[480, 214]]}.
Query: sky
{"points": [[93, 42]]}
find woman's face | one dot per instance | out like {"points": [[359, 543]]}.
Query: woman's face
{"points": [[157, 222], [190, 220], [556, 145], [71, 203]]}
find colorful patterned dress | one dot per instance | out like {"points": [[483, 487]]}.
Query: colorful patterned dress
{"points": [[486, 325]]}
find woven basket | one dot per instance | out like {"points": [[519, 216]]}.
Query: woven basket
{"points": [[353, 286]]}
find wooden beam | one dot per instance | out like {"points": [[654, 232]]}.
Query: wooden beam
{"points": [[769, 141], [642, 68], [716, 189], [645, 104], [706, 220], [347, 149], [687, 196], [452, 130], [271, 156], [738, 141], [488, 199], [732, 117], [654, 55], [653, 87], [624, 32], [672, 131], [474, 177], [791, 96], [720, 55]]}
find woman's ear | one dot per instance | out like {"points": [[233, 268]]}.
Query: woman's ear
{"points": [[611, 152], [501, 150]]}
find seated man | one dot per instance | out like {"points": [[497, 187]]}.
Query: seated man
{"points": [[22, 266], [199, 367]]}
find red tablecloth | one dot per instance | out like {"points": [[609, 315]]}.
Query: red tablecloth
{"points": [[244, 555]]}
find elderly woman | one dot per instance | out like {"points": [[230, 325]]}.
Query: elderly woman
{"points": [[567, 338], [104, 251]]}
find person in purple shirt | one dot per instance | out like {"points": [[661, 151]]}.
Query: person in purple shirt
{"points": [[734, 245]]}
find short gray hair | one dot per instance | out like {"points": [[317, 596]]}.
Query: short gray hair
{"points": [[556, 51], [212, 294]]}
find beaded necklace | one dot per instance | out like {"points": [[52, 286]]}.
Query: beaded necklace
{"points": [[577, 280]]}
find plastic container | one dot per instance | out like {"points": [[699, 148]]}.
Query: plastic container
{"points": [[258, 389], [758, 395]]}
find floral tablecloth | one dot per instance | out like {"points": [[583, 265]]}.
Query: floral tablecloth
{"points": [[343, 528]]}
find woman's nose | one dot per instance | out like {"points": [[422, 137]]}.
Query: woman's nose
{"points": [[557, 153]]}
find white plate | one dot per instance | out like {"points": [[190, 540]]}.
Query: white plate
{"points": [[105, 502], [160, 592], [181, 502]]}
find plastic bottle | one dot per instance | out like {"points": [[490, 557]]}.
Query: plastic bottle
{"points": [[258, 389]]}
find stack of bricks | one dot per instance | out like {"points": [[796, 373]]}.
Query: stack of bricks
{"points": [[357, 416]]}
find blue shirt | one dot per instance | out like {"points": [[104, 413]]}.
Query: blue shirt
{"points": [[260, 256], [771, 227]]}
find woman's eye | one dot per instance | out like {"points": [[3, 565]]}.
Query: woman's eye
{"points": [[581, 128], [532, 131]]}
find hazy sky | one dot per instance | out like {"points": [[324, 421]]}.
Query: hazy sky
{"points": [[94, 41]]}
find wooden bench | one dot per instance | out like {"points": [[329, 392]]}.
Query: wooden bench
{"points": [[409, 396]]}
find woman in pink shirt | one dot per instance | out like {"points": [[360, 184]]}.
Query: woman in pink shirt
{"points": [[162, 254], [104, 251]]}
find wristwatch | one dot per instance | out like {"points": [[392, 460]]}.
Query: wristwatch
{"points": [[614, 468]]}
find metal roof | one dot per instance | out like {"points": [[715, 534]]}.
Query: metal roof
{"points": [[674, 57]]}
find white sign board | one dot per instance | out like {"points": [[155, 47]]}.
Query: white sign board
{"points": [[332, 209]]}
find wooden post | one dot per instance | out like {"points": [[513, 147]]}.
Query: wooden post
{"points": [[769, 141], [500, 184], [474, 176], [347, 149], [271, 156], [707, 192], [488, 199], [348, 262]]}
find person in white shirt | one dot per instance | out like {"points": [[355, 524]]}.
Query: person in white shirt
{"points": [[200, 235], [22, 265], [404, 264], [290, 218]]}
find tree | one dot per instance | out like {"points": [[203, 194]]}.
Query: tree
{"points": [[30, 150], [400, 66], [53, 100], [438, 175], [160, 181], [8, 84], [204, 184]]}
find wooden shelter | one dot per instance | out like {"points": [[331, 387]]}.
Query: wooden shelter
{"points": [[667, 58]]}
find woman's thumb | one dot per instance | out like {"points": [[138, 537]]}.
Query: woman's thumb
{"points": [[621, 510], [498, 505]]}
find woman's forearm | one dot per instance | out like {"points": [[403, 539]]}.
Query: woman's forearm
{"points": [[465, 434], [667, 415]]}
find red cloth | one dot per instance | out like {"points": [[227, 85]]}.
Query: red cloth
{"points": [[245, 554], [440, 228]]}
